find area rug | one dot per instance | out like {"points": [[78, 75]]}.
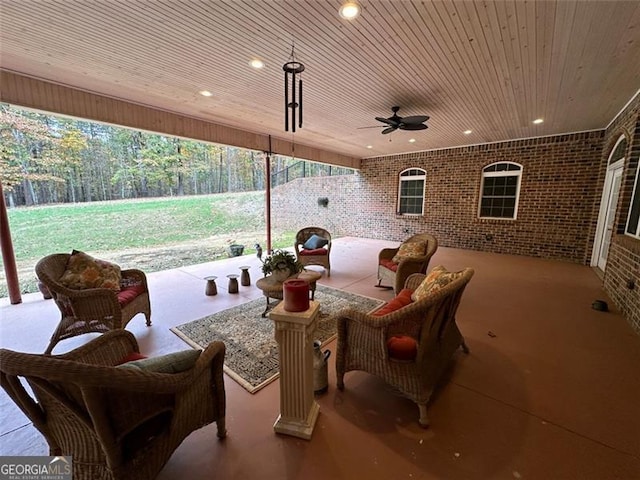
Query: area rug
{"points": [[252, 352]]}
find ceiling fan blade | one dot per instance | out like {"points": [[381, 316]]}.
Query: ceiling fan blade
{"points": [[389, 129], [388, 121], [419, 126], [373, 126], [415, 119]]}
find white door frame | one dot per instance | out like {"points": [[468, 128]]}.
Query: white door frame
{"points": [[612, 170]]}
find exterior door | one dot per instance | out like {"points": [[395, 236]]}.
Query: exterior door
{"points": [[608, 212]]}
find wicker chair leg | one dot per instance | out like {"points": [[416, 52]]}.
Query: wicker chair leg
{"points": [[424, 419], [147, 316], [465, 349], [222, 430]]}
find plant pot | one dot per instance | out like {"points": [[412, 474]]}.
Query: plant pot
{"points": [[281, 275], [236, 250]]}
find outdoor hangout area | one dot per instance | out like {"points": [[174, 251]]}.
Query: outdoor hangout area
{"points": [[426, 266], [534, 397]]}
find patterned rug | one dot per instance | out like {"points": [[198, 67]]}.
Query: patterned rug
{"points": [[252, 352]]}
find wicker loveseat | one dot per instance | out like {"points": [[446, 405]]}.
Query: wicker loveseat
{"points": [[92, 309], [393, 271], [408, 344], [116, 423]]}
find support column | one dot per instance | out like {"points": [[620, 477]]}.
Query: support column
{"points": [[294, 334]]}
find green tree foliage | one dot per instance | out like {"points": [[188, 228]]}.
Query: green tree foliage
{"points": [[48, 159]]}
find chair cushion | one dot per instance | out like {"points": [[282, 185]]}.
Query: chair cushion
{"points": [[131, 357], [389, 264], [315, 241], [402, 347], [410, 250], [434, 281], [83, 271], [175, 362], [315, 251], [127, 294], [401, 300]]}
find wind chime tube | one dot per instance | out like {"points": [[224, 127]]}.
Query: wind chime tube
{"points": [[293, 102], [300, 110], [286, 101]]}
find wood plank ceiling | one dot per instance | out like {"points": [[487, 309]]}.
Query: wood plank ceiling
{"points": [[491, 67]]}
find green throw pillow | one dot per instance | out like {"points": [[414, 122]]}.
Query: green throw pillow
{"points": [[170, 363]]}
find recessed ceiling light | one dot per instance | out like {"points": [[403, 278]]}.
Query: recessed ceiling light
{"points": [[256, 63], [349, 10], [369, 146], [467, 132], [206, 93], [538, 120], [412, 140]]}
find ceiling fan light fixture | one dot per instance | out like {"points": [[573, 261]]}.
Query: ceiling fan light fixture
{"points": [[349, 10]]}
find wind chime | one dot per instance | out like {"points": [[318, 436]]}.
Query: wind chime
{"points": [[292, 96]]}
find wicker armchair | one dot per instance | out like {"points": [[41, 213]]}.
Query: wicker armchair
{"points": [[116, 423], [314, 256], [387, 276], [95, 309], [362, 341]]}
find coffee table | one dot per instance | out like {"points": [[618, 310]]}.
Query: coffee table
{"points": [[272, 288]]}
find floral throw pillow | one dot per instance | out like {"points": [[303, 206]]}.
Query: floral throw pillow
{"points": [[410, 249], [437, 278], [83, 271]]}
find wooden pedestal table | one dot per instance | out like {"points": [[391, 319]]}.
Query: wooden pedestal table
{"points": [[294, 334]]}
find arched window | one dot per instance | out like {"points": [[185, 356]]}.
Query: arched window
{"points": [[411, 191], [500, 190], [633, 220]]}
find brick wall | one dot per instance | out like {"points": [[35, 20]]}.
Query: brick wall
{"points": [[560, 185], [623, 261]]}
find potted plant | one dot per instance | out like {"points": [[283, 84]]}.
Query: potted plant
{"points": [[281, 264], [235, 249]]}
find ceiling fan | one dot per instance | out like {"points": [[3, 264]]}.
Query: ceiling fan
{"points": [[395, 122]]}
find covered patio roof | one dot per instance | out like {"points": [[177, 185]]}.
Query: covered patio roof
{"points": [[488, 67]]}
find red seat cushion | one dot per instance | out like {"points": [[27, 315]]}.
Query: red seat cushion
{"points": [[402, 347], [315, 251], [401, 300], [127, 294], [389, 264], [133, 356]]}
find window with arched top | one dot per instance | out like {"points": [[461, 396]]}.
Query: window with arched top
{"points": [[633, 219], [499, 191], [619, 150], [411, 191]]}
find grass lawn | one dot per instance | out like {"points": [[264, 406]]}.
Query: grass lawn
{"points": [[150, 234]]}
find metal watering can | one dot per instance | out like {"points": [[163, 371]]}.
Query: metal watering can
{"points": [[320, 368]]}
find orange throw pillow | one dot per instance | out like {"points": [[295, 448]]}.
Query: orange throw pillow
{"points": [[83, 271], [402, 347]]}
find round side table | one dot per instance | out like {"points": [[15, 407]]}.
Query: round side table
{"points": [[245, 279], [211, 288], [233, 283]]}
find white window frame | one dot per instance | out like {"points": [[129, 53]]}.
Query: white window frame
{"points": [[636, 193], [503, 173], [402, 177]]}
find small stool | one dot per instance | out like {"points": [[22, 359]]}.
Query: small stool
{"points": [[245, 279], [211, 288], [233, 283]]}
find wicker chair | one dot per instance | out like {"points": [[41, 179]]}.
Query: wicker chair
{"points": [[362, 341], [314, 256], [116, 423], [91, 310], [396, 278]]}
